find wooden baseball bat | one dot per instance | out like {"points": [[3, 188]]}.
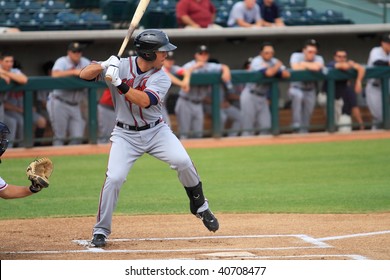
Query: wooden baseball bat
{"points": [[139, 12]]}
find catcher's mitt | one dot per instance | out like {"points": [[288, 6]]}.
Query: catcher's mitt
{"points": [[38, 172]]}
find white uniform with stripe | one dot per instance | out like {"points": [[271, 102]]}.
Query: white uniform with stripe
{"points": [[374, 86], [128, 145], [64, 108], [3, 184]]}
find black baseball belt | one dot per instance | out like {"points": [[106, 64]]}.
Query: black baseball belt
{"points": [[137, 128], [190, 100], [66, 101]]}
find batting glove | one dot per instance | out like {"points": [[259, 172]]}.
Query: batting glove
{"points": [[113, 60], [113, 72]]}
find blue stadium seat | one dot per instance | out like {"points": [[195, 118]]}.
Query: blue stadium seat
{"points": [[292, 17], [30, 6], [55, 6], [95, 21], [118, 10], [8, 7], [48, 20], [23, 20], [335, 17], [71, 21], [297, 5]]}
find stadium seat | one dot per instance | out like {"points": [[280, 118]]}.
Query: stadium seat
{"points": [[71, 21], [334, 17], [118, 10], [48, 20], [222, 15], [159, 18], [292, 17], [23, 20], [296, 5], [311, 17], [55, 6], [29, 6], [95, 21], [83, 4], [8, 7]]}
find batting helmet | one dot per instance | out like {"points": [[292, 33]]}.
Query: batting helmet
{"points": [[4, 131], [151, 40]]}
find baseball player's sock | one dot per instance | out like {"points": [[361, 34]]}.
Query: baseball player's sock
{"points": [[209, 220], [98, 240]]}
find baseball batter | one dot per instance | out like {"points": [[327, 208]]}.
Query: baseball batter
{"points": [[63, 106], [379, 56], [138, 87]]}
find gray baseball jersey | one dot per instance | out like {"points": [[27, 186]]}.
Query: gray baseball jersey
{"points": [[189, 106], [63, 106], [253, 98], [128, 145], [303, 96], [373, 87]]}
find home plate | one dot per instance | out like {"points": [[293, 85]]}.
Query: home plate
{"points": [[229, 254]]}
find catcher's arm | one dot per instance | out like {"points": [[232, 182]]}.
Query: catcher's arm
{"points": [[38, 172]]}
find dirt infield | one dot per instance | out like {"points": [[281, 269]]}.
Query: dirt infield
{"points": [[241, 236]]}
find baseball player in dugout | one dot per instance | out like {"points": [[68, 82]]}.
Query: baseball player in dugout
{"points": [[38, 172], [303, 94], [379, 56], [64, 106], [138, 86], [189, 105]]}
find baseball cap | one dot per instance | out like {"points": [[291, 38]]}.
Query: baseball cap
{"points": [[311, 42], [75, 47], [386, 38], [202, 48], [170, 55]]}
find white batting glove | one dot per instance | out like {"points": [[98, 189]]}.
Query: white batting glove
{"points": [[113, 72], [113, 60]]}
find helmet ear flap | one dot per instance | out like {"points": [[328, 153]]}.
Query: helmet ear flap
{"points": [[148, 56]]}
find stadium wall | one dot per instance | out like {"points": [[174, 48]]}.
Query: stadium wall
{"points": [[231, 46]]}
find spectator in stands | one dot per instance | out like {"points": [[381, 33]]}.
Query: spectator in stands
{"points": [[303, 94], [173, 71], [270, 13], [343, 89], [189, 106], [255, 110], [10, 75], [196, 14], [106, 117], [63, 105], [379, 56], [245, 13]]}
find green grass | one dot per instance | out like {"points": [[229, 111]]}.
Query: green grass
{"points": [[339, 177]]}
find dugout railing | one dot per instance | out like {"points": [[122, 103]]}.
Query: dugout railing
{"points": [[36, 83]]}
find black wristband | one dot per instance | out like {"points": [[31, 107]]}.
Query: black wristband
{"points": [[33, 190], [123, 88]]}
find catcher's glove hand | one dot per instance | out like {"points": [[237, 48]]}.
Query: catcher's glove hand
{"points": [[38, 172]]}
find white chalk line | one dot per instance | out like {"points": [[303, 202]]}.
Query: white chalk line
{"points": [[354, 235], [316, 245], [317, 242]]}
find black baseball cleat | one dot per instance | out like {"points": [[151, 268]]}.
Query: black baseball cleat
{"points": [[98, 240], [209, 220]]}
